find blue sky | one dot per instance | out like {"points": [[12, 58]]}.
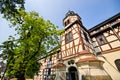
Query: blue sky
{"points": [[92, 12]]}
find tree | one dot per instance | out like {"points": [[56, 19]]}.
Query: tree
{"points": [[7, 52], [36, 38], [9, 7]]}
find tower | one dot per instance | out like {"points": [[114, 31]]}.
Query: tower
{"points": [[77, 52], [76, 37]]}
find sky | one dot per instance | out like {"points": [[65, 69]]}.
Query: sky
{"points": [[92, 12]]}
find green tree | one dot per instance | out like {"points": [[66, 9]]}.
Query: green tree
{"points": [[36, 38], [9, 7], [7, 52]]}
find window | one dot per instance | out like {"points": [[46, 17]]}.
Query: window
{"points": [[67, 22], [49, 63], [117, 63], [50, 59], [101, 39], [86, 37], [68, 37], [49, 71]]}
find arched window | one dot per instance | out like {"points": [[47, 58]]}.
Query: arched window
{"points": [[117, 63]]}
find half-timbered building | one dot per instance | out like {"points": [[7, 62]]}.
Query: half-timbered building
{"points": [[92, 54]]}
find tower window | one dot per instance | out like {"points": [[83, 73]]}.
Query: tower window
{"points": [[117, 63], [68, 37], [101, 39], [67, 22]]}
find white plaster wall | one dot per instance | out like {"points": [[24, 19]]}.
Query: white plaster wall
{"points": [[111, 38], [80, 48], [76, 41], [75, 36], [105, 34], [109, 64], [95, 69], [73, 31], [62, 48], [119, 34], [105, 47], [63, 43], [115, 44], [71, 44]]}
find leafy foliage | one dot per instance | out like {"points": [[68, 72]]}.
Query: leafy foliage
{"points": [[36, 38], [9, 7]]}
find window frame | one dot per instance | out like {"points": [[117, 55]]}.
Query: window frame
{"points": [[68, 37], [67, 22], [101, 39]]}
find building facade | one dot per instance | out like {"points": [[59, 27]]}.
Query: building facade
{"points": [[92, 54]]}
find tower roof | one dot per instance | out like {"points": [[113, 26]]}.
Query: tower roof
{"points": [[71, 13]]}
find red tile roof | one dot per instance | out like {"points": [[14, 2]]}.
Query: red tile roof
{"points": [[87, 59], [59, 65], [85, 52]]}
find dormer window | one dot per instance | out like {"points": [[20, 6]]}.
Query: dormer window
{"points": [[68, 37], [67, 22]]}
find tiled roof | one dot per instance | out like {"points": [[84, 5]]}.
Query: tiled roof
{"points": [[84, 52], [87, 59], [59, 65]]}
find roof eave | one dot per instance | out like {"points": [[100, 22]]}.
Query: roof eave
{"points": [[104, 22]]}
